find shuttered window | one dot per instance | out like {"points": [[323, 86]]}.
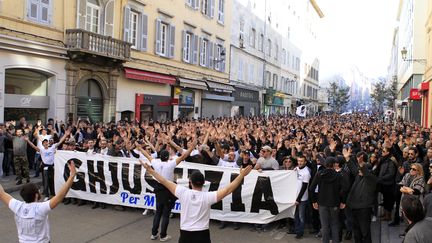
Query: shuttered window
{"points": [[135, 28], [92, 17], [165, 39], [39, 11]]}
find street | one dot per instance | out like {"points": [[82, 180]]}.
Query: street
{"points": [[70, 223]]}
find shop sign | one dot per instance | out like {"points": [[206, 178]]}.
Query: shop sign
{"points": [[278, 101], [415, 94], [21, 101], [246, 95]]}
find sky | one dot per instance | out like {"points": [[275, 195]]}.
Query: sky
{"points": [[356, 32]]}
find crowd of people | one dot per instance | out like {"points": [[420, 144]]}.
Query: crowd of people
{"points": [[351, 169]]}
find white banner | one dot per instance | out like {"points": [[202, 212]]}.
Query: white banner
{"points": [[262, 198]]}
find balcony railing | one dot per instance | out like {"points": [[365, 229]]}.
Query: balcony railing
{"points": [[79, 40]]}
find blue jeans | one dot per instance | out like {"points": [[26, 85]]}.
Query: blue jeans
{"points": [[329, 217], [299, 218]]}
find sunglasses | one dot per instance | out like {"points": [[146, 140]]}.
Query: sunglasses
{"points": [[410, 154], [413, 169]]}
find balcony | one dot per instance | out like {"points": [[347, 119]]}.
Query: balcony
{"points": [[85, 44]]}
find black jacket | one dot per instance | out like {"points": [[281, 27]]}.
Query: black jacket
{"points": [[363, 190], [387, 171], [331, 189]]}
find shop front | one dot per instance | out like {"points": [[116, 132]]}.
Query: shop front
{"points": [[274, 103], [26, 94], [246, 102], [152, 99], [216, 102], [189, 95], [424, 91]]}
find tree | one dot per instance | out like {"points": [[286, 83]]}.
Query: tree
{"points": [[378, 95], [391, 93], [343, 98], [339, 97]]}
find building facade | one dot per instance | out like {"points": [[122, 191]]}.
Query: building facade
{"points": [[426, 84], [411, 37], [108, 60], [32, 60]]}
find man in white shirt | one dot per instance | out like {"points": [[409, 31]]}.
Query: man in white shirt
{"points": [[164, 199], [195, 204], [266, 161], [303, 178], [31, 216], [47, 154]]}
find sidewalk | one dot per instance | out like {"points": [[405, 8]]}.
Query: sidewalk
{"points": [[391, 234], [9, 182]]}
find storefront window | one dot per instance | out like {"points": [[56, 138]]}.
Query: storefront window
{"points": [[146, 112], [186, 97], [25, 82], [31, 114]]}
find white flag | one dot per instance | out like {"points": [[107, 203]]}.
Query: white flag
{"points": [[301, 111]]}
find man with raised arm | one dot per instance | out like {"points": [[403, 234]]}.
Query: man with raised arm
{"points": [[31, 216], [165, 200], [195, 203]]}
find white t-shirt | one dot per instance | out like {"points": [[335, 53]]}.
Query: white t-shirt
{"points": [[195, 208], [40, 140], [268, 163], [31, 220], [224, 163], [165, 169], [303, 176], [48, 154]]}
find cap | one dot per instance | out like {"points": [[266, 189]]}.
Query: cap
{"points": [[197, 178], [268, 148]]}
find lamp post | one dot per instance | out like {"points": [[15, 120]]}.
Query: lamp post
{"points": [[404, 57]]}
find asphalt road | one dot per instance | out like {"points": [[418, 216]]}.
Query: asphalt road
{"points": [[73, 224]]}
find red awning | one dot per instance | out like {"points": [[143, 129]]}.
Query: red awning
{"points": [[149, 76], [424, 86]]}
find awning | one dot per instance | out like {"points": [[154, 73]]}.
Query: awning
{"points": [[424, 86], [149, 76], [219, 87], [194, 84]]}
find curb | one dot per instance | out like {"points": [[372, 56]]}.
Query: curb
{"points": [[18, 187]]}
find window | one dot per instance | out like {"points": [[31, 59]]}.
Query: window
{"points": [[240, 70], [165, 39], [268, 79], [288, 59], [39, 11], [26, 82], [297, 63], [187, 47], [92, 20], [134, 29], [283, 56], [190, 2], [218, 64], [261, 42], [277, 52], [203, 52], [208, 8], [251, 73], [252, 37], [269, 46], [275, 81], [221, 11]]}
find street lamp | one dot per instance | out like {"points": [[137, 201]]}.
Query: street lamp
{"points": [[404, 57], [222, 57]]}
